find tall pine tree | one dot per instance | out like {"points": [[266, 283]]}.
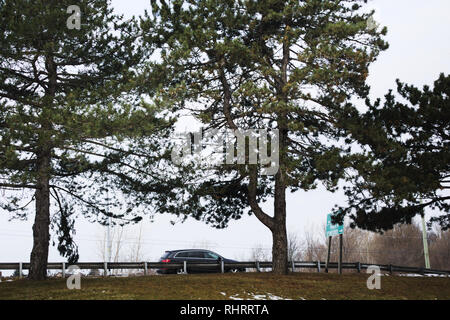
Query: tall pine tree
{"points": [[71, 126], [287, 65]]}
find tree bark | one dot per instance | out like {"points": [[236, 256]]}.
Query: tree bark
{"points": [[277, 223], [279, 232], [41, 226], [279, 249]]}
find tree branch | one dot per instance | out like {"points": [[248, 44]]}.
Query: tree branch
{"points": [[267, 220]]}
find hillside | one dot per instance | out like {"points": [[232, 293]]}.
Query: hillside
{"points": [[297, 286]]}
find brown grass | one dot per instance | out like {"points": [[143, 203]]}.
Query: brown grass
{"points": [[296, 286]]}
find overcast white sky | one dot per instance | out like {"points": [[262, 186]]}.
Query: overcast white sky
{"points": [[419, 50]]}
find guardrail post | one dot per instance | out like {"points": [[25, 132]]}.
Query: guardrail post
{"points": [[358, 267], [293, 266], [257, 266], [318, 266], [145, 268], [63, 270], [222, 266], [105, 268], [185, 266], [20, 270], [390, 268]]}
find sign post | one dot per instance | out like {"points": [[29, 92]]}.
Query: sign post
{"points": [[334, 230], [340, 254], [328, 254]]}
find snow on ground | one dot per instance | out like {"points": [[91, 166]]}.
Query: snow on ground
{"points": [[235, 297], [267, 296], [420, 275], [253, 296], [4, 281]]}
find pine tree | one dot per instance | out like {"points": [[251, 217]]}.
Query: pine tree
{"points": [[406, 164], [286, 65], [71, 126]]}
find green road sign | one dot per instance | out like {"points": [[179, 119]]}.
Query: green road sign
{"points": [[333, 229]]}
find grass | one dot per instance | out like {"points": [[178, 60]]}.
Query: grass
{"points": [[296, 286]]}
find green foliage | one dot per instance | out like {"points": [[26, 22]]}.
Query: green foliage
{"points": [[287, 65], [69, 114], [406, 166]]}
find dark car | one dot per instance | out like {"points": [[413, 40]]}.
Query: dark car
{"points": [[192, 256]]}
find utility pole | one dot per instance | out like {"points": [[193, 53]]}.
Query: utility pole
{"points": [[108, 234], [108, 241], [425, 244]]}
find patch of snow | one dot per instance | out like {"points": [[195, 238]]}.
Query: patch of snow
{"points": [[436, 275], [253, 296], [420, 275], [261, 297]]}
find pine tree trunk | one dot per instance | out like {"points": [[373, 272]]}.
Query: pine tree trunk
{"points": [[41, 226], [279, 234], [279, 249]]}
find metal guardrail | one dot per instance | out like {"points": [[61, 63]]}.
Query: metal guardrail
{"points": [[221, 266]]}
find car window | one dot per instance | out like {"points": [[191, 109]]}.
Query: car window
{"points": [[182, 255], [211, 255], [196, 254]]}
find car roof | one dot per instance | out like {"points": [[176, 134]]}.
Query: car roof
{"points": [[178, 250]]}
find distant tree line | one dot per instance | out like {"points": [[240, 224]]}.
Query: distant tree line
{"points": [[402, 245]]}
